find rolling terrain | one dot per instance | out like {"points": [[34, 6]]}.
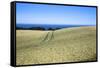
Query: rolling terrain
{"points": [[64, 45]]}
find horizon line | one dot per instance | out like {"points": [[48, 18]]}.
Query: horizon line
{"points": [[53, 24]]}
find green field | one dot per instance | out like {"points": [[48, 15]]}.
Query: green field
{"points": [[64, 45]]}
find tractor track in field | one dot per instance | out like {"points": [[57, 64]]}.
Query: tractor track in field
{"points": [[49, 36], [52, 35]]}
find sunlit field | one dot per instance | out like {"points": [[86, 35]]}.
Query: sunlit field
{"points": [[64, 45]]}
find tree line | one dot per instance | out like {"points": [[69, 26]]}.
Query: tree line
{"points": [[36, 28]]}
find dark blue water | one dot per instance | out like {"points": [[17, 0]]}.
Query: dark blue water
{"points": [[46, 26]]}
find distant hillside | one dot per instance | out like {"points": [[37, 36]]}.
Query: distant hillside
{"points": [[44, 26]]}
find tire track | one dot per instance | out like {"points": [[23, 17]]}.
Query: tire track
{"points": [[52, 36], [45, 38], [48, 37]]}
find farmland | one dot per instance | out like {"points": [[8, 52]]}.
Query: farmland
{"points": [[64, 45]]}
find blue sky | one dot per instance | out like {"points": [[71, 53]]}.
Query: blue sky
{"points": [[54, 14]]}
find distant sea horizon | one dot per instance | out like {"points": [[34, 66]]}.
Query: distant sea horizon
{"points": [[47, 26]]}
